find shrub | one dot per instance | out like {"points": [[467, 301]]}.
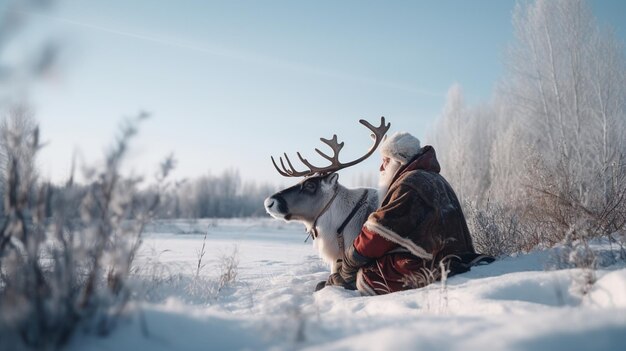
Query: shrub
{"points": [[495, 230], [60, 272]]}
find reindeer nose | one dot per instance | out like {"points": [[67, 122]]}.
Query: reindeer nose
{"points": [[269, 202]]}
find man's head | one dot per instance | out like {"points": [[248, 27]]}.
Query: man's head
{"points": [[401, 146], [396, 151]]}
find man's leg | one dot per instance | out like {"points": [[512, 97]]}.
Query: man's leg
{"points": [[394, 272], [362, 286]]}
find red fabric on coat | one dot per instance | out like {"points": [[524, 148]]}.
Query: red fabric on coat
{"points": [[372, 245]]}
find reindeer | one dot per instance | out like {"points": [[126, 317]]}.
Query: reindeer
{"points": [[331, 213]]}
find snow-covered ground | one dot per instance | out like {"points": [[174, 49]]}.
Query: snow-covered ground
{"points": [[512, 304]]}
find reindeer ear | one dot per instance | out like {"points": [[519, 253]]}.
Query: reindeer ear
{"points": [[333, 178]]}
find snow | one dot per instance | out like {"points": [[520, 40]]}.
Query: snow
{"points": [[512, 304], [609, 291]]}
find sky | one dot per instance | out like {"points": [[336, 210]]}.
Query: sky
{"points": [[229, 84]]}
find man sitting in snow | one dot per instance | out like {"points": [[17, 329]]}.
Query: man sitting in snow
{"points": [[417, 234]]}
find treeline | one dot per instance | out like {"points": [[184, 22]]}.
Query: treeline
{"points": [[545, 160], [208, 196], [221, 196]]}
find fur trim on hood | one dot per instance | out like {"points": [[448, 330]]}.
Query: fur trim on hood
{"points": [[401, 146]]}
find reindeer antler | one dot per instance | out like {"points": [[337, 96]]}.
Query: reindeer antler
{"points": [[336, 146]]}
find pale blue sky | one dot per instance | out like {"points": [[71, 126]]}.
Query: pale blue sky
{"points": [[230, 83]]}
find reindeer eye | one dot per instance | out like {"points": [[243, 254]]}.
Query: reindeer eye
{"points": [[310, 186]]}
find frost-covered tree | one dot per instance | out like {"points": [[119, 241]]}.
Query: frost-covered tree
{"points": [[451, 140], [550, 149], [463, 138], [567, 96]]}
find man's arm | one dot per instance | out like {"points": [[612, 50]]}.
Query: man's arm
{"points": [[367, 247], [370, 245]]}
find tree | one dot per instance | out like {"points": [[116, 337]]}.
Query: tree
{"points": [[550, 149], [450, 139], [463, 138]]}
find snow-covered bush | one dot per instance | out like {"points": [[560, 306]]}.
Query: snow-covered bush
{"points": [[60, 273], [495, 230]]}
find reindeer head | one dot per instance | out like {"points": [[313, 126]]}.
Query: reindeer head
{"points": [[303, 201], [308, 199]]}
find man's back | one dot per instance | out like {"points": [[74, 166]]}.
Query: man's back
{"points": [[421, 206]]}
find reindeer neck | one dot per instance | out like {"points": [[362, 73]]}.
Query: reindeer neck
{"points": [[331, 219], [312, 226]]}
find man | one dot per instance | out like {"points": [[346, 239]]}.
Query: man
{"points": [[417, 234]]}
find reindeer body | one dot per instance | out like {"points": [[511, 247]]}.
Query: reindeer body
{"points": [[327, 243], [309, 207]]}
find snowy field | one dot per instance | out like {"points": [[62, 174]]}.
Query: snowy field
{"points": [[512, 304]]}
